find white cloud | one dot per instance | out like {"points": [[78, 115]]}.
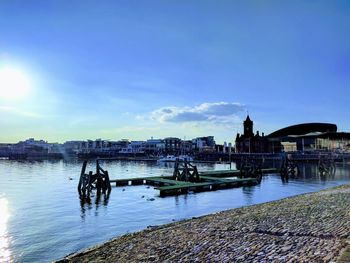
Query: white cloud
{"points": [[215, 112]]}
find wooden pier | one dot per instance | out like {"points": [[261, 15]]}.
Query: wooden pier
{"points": [[208, 181], [185, 179]]}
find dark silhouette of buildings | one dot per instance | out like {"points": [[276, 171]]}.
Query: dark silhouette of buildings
{"points": [[312, 137], [304, 137], [304, 128], [250, 143]]}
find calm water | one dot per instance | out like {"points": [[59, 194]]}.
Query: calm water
{"points": [[42, 219]]}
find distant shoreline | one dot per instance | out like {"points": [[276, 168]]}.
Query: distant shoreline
{"points": [[199, 157]]}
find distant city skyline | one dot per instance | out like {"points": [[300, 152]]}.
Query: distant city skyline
{"points": [[112, 70]]}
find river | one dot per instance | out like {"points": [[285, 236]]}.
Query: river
{"points": [[42, 218]]}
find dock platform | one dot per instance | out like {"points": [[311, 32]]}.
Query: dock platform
{"points": [[209, 181]]}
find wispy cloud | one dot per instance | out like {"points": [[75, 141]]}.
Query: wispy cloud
{"points": [[20, 112], [214, 112]]}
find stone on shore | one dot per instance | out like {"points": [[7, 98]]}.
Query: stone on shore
{"points": [[312, 227]]}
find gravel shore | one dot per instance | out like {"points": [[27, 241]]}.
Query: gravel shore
{"points": [[312, 227]]}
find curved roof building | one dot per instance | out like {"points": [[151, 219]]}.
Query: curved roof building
{"points": [[303, 129]]}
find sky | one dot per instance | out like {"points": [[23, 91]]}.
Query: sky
{"points": [[141, 69]]}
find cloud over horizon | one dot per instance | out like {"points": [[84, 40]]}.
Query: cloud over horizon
{"points": [[213, 112]]}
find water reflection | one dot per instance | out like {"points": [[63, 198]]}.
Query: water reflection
{"points": [[208, 166], [24, 238], [86, 203], [248, 193], [5, 253], [323, 173]]}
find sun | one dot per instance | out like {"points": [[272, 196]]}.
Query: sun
{"points": [[14, 83]]}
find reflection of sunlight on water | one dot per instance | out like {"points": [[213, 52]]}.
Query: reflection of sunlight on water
{"points": [[4, 239]]}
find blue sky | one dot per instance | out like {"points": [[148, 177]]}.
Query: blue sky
{"points": [[136, 69]]}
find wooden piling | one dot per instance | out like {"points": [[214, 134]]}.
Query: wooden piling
{"points": [[185, 178]]}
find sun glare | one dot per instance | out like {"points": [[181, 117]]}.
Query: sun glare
{"points": [[5, 254], [14, 83]]}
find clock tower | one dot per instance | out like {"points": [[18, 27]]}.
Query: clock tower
{"points": [[248, 127]]}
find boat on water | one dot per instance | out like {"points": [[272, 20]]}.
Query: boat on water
{"points": [[173, 158]]}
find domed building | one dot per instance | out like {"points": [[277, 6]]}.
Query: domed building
{"points": [[311, 137], [301, 137], [304, 128]]}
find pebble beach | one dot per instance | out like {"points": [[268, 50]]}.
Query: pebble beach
{"points": [[312, 227]]}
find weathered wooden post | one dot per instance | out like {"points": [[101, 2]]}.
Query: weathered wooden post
{"points": [[326, 166], [251, 169], [185, 172], [194, 176], [107, 184], [88, 184], [99, 179], [288, 168], [87, 181], [176, 175], [82, 174]]}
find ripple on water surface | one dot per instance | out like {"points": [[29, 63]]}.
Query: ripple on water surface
{"points": [[42, 217]]}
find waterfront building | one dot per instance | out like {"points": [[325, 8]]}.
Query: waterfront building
{"points": [[5, 149], [172, 145], [225, 148], [289, 146], [55, 148], [35, 143], [30, 145], [94, 146], [35, 149], [250, 143], [154, 146], [186, 146], [310, 137], [73, 147], [203, 144], [118, 145], [339, 141], [134, 147]]}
